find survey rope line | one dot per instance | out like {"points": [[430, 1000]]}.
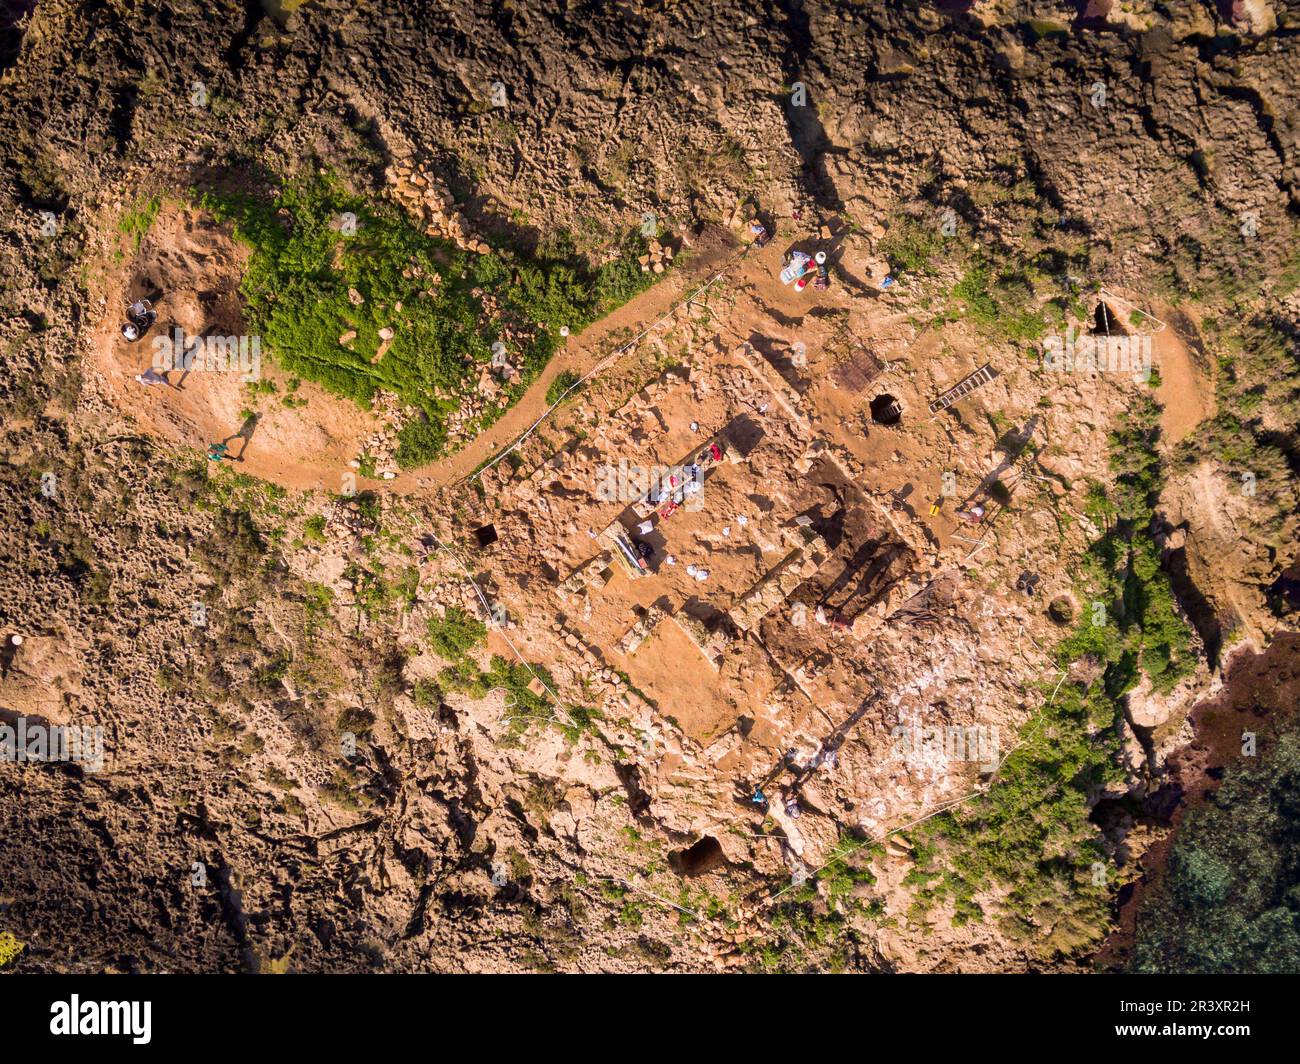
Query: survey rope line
{"points": [[613, 356], [487, 607]]}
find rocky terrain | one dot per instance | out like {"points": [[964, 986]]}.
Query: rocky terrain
{"points": [[904, 689]]}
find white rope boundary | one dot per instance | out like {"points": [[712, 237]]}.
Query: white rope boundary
{"points": [[613, 356]]}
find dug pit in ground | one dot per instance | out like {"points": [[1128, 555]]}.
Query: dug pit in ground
{"points": [[190, 268]]}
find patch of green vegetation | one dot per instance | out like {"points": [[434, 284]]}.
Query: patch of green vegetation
{"points": [[564, 380], [582, 718], [703, 903], [317, 600], [261, 387], [313, 528], [998, 303], [376, 593], [910, 245], [220, 488], [847, 871], [1123, 566], [311, 279], [455, 633], [370, 508], [631, 911], [804, 938], [523, 705], [513, 677], [426, 694], [809, 933], [137, 219], [1229, 900], [406, 585], [1031, 833], [366, 466]]}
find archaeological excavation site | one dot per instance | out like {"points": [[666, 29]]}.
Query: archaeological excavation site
{"points": [[547, 486]]}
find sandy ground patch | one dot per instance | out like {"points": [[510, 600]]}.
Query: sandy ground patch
{"points": [[1186, 390], [191, 269]]}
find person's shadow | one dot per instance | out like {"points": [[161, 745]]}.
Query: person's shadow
{"points": [[245, 433]]}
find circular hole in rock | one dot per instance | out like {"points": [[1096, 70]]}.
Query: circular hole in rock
{"points": [[885, 410]]}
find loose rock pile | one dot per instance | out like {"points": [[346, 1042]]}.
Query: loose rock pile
{"points": [[656, 258], [591, 670], [428, 198], [381, 445]]}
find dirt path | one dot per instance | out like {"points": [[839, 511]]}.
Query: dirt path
{"points": [[310, 446], [1186, 393], [579, 356]]}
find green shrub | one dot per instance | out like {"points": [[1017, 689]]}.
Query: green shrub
{"points": [[909, 245], [562, 383], [420, 441], [1229, 900], [455, 633], [304, 274]]}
